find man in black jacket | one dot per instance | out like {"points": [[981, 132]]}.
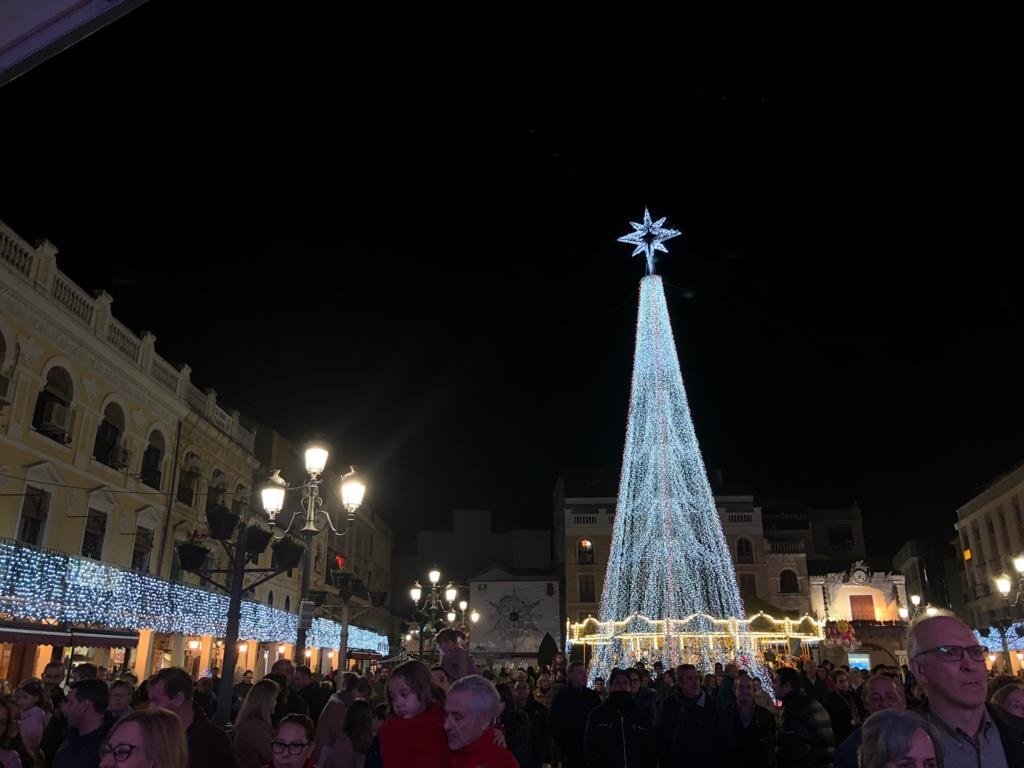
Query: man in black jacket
{"points": [[85, 709], [806, 739], [617, 734], [538, 715], [310, 692], [695, 738], [569, 711], [748, 730]]}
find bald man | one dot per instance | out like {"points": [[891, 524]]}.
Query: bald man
{"points": [[949, 664]]}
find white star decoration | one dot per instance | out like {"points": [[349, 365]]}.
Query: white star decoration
{"points": [[648, 238]]}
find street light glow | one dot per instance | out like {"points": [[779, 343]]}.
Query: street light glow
{"points": [[916, 600], [904, 613], [1003, 584], [316, 459], [931, 611], [1018, 563], [451, 617], [352, 491], [272, 494], [474, 617], [435, 576], [450, 594], [463, 605], [416, 593]]}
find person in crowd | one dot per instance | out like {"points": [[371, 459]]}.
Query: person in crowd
{"points": [[254, 729], [208, 745], [842, 707], [544, 693], [470, 707], [203, 695], [455, 662], [726, 694], [331, 726], [567, 719], [295, 704], [243, 686], [440, 676], [645, 698], [695, 735], [516, 725], [33, 698], [600, 688], [617, 732], [292, 746], [86, 713], [710, 686], [538, 716], [349, 751], [895, 738], [949, 664], [856, 681], [84, 671], [147, 738], [120, 699], [380, 714], [880, 693], [310, 692], [762, 697], [805, 738], [814, 682], [1011, 698], [748, 731], [14, 751], [415, 736], [53, 678]]}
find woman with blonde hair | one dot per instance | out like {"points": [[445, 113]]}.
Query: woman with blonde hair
{"points": [[34, 699], [145, 738], [254, 729]]}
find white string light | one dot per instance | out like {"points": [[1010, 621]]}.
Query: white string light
{"points": [[39, 585]]}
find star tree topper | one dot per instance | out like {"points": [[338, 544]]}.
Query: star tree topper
{"points": [[649, 237]]}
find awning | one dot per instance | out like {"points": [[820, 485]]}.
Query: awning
{"points": [[58, 634], [364, 656]]}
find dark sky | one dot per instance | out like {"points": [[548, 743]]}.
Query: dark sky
{"points": [[429, 276]]}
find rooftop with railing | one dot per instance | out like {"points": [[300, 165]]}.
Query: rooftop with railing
{"points": [[36, 267]]}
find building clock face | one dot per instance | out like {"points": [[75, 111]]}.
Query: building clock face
{"points": [[859, 577]]}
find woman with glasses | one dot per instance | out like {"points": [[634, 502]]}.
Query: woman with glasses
{"points": [[292, 746], [145, 738]]}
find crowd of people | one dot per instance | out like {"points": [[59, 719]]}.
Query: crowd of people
{"points": [[943, 709]]}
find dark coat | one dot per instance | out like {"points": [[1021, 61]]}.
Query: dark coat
{"points": [[208, 745], [841, 709], [538, 715], [698, 733], [80, 751], [567, 720], [805, 740], [619, 738], [1011, 733], [752, 746]]}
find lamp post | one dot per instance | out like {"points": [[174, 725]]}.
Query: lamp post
{"points": [[915, 600], [314, 520], [435, 603], [1005, 585]]}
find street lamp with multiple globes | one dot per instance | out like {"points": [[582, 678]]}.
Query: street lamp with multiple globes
{"points": [[315, 518], [436, 603]]}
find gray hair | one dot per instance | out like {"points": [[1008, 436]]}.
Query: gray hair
{"points": [[924, 618], [482, 692], [887, 735]]}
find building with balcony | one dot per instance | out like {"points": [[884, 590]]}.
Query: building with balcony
{"points": [[990, 528], [109, 455], [869, 601]]}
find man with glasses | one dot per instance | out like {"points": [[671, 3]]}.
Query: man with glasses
{"points": [[950, 665]]}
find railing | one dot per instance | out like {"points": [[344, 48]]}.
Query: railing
{"points": [[221, 419], [785, 547], [584, 519], [15, 253], [739, 518], [195, 398], [124, 340], [245, 438], [72, 298], [165, 374]]}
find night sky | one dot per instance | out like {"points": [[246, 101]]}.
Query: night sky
{"points": [[433, 282]]}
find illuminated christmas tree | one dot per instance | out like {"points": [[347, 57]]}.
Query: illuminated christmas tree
{"points": [[670, 590]]}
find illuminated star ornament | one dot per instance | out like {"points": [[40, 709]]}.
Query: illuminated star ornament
{"points": [[649, 237]]}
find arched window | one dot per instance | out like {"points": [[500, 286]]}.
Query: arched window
{"points": [[270, 598], [788, 582], [52, 416], [153, 460], [744, 551], [218, 487], [189, 479], [287, 603], [584, 552], [240, 501], [109, 447]]}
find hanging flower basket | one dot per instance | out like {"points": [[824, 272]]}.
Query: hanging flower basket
{"points": [[192, 556], [222, 522], [317, 596], [340, 579], [288, 553], [257, 538]]}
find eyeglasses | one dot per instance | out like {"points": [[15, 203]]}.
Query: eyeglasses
{"points": [[954, 653], [292, 747], [121, 752]]}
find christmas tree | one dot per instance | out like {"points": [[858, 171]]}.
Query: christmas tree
{"points": [[669, 570]]}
